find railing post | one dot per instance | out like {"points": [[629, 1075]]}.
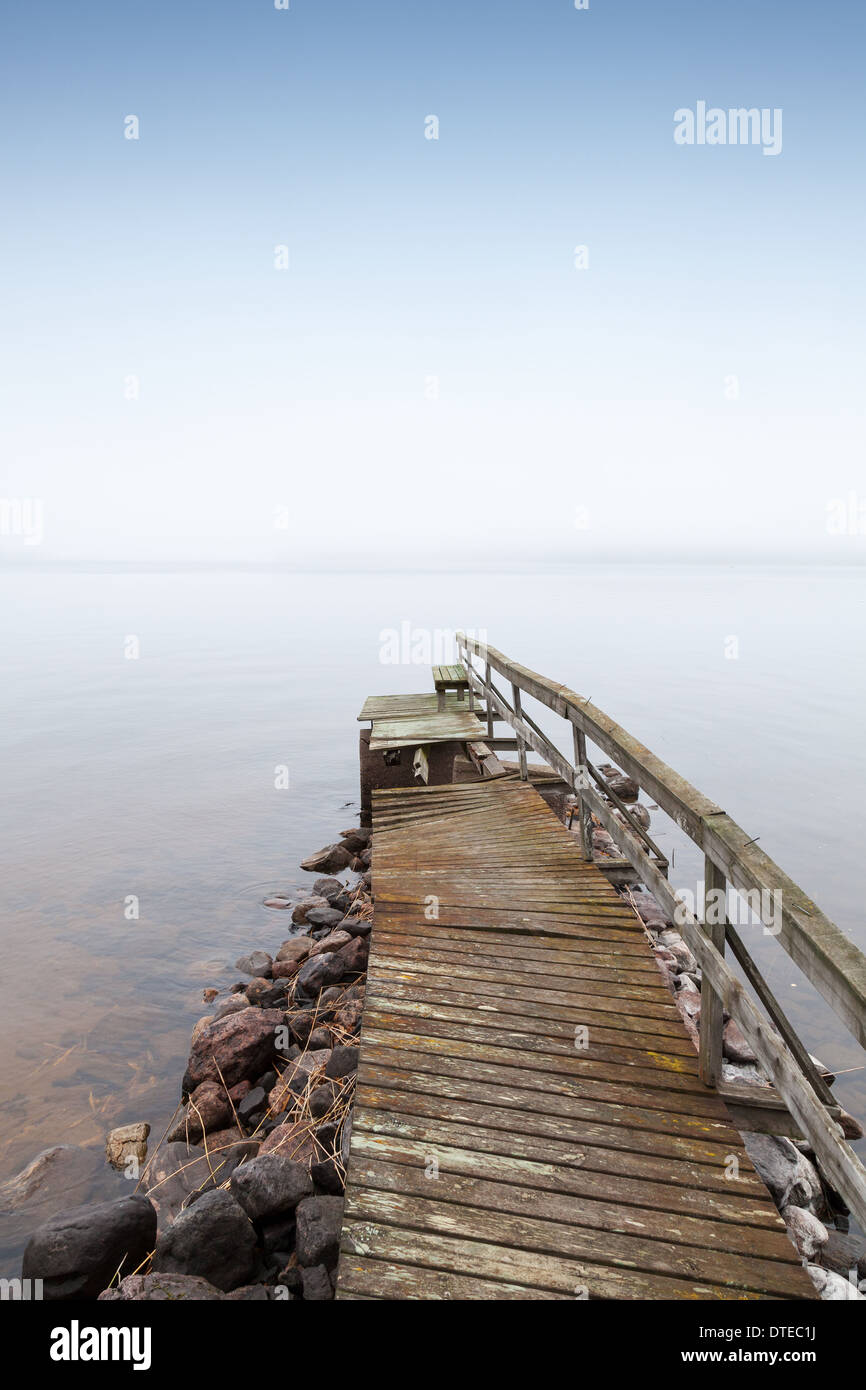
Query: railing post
{"points": [[521, 744], [582, 772], [487, 678], [710, 1054]]}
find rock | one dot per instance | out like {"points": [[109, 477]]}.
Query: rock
{"points": [[355, 840], [278, 902], [673, 942], [301, 1024], [328, 1176], [179, 1170], [734, 1045], [322, 1100], [249, 1293], [332, 942], [49, 1181], [356, 926], [626, 788], [77, 1252], [327, 917], [253, 1102], [319, 1222], [343, 1061], [328, 888], [300, 910], [833, 1288], [316, 1284], [125, 1143], [208, 1110], [790, 1177], [321, 971], [348, 1017], [213, 1239], [155, 1288], [297, 1075], [257, 963], [239, 1046], [269, 1185], [806, 1231], [329, 860], [296, 949], [232, 1005], [353, 957], [649, 910], [294, 1139], [266, 994]]}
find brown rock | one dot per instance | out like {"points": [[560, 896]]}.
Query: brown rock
{"points": [[297, 948], [332, 942], [734, 1045], [354, 956], [294, 1139], [239, 1046]]}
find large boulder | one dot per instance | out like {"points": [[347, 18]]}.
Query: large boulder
{"points": [[77, 1252], [212, 1239], [233, 1048], [269, 1185], [319, 1223]]}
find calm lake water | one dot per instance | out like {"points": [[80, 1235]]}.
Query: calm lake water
{"points": [[154, 777]]}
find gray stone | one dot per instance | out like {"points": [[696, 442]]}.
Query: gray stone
{"points": [[343, 1061], [328, 887], [319, 1223], [256, 963], [316, 1284], [270, 1184], [321, 971], [213, 1239], [77, 1252]]}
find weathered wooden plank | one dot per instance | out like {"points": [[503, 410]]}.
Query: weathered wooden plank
{"points": [[454, 1217], [556, 1274]]}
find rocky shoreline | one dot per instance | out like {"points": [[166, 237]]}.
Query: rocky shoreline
{"points": [[242, 1197]]}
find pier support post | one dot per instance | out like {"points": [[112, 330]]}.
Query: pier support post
{"points": [[582, 772], [521, 743], [710, 1054]]}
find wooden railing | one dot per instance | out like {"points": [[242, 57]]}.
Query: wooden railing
{"points": [[827, 958]]}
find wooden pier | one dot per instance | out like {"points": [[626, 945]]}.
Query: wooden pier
{"points": [[532, 1119]]}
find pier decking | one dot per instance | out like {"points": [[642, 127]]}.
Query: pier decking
{"points": [[529, 1120], [532, 1118]]}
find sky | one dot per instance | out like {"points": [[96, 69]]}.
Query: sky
{"points": [[283, 325]]}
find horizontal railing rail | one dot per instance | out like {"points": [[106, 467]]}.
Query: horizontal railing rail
{"points": [[832, 962]]}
